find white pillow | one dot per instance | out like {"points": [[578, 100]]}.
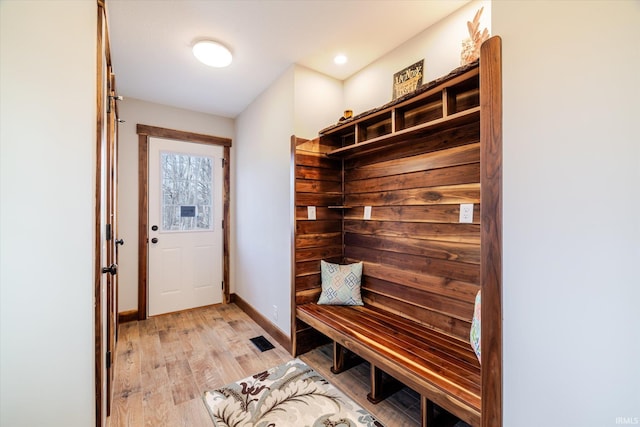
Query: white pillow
{"points": [[341, 284], [475, 333]]}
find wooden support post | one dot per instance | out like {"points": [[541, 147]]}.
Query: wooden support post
{"points": [[375, 396], [491, 231], [427, 412], [382, 385], [338, 358], [343, 359]]}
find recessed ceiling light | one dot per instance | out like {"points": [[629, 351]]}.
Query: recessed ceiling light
{"points": [[212, 53], [340, 59]]}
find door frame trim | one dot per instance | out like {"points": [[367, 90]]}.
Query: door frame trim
{"points": [[97, 253], [144, 133], [106, 138]]}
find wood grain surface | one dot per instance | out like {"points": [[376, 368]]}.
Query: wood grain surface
{"points": [[163, 361]]}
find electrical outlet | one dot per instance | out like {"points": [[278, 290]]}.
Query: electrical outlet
{"points": [[466, 213], [367, 213], [311, 213], [275, 312]]}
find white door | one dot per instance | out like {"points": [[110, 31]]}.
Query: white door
{"points": [[185, 225]]}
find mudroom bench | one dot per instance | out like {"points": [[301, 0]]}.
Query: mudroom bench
{"points": [[412, 191], [444, 370]]}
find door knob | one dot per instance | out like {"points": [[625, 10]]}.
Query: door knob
{"points": [[154, 240], [112, 269], [119, 242]]}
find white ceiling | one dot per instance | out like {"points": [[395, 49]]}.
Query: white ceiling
{"points": [[151, 43]]}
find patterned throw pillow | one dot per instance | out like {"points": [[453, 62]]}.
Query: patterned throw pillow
{"points": [[474, 335], [341, 284]]}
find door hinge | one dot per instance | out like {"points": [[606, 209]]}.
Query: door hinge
{"points": [[108, 359], [223, 162], [108, 231], [222, 223], [108, 96], [222, 285]]}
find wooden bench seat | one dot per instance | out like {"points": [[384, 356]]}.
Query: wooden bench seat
{"points": [[444, 370]]}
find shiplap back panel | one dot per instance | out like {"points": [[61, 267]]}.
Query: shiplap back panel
{"points": [[419, 261]]}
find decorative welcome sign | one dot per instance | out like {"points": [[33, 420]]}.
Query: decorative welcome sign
{"points": [[408, 79]]}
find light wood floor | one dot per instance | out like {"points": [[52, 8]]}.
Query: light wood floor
{"points": [[164, 364]]}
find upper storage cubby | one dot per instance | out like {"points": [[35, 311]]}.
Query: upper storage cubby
{"points": [[464, 95], [453, 100], [419, 111], [376, 126]]}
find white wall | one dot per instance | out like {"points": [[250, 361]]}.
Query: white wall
{"points": [[261, 226], [299, 103], [571, 202], [318, 102], [47, 189], [135, 112], [439, 45]]}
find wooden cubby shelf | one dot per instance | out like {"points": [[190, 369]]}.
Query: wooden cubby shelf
{"points": [[451, 101], [458, 119]]}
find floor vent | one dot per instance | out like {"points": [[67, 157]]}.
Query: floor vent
{"points": [[262, 343]]}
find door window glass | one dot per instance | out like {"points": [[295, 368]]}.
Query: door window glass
{"points": [[187, 192]]}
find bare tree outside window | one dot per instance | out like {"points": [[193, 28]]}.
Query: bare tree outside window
{"points": [[187, 192]]}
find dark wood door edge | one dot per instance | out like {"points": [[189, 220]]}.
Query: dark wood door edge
{"points": [[143, 166], [99, 349]]}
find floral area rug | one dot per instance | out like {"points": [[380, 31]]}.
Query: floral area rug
{"points": [[289, 395]]}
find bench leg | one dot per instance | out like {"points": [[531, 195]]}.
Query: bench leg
{"points": [[381, 388], [427, 412], [343, 359], [376, 386], [338, 358]]}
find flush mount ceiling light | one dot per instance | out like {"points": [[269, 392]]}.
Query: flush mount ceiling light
{"points": [[340, 59], [212, 53]]}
